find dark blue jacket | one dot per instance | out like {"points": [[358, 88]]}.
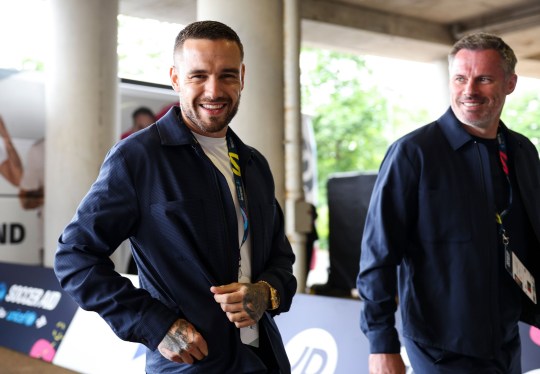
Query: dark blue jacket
{"points": [[432, 212], [159, 189]]}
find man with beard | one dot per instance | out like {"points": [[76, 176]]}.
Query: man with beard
{"points": [[206, 231], [456, 207]]}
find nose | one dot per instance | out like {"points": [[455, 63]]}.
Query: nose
{"points": [[212, 88], [470, 87]]}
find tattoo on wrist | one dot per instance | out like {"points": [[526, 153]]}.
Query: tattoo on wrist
{"points": [[179, 339]]}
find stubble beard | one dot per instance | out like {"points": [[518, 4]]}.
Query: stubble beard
{"points": [[214, 125]]}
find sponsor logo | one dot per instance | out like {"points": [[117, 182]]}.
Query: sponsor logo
{"points": [[26, 318], [313, 351], [33, 297]]}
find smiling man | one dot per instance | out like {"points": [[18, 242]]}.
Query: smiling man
{"points": [[453, 230], [206, 231]]}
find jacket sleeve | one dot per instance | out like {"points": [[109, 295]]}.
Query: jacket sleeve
{"points": [[391, 209], [278, 271], [527, 168], [278, 266], [108, 215]]}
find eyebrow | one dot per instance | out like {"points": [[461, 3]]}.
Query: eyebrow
{"points": [[475, 76], [228, 70]]}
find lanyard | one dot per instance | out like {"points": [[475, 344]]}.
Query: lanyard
{"points": [[240, 192], [503, 157], [513, 265]]}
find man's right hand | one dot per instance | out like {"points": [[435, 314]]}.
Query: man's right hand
{"points": [[386, 363], [183, 343]]}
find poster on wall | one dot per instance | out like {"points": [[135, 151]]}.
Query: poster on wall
{"points": [[21, 223], [22, 163]]}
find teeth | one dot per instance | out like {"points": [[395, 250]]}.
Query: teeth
{"points": [[471, 104], [212, 106]]}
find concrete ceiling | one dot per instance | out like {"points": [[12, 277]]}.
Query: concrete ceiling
{"points": [[418, 30]]}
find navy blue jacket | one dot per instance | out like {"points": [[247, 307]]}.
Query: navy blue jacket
{"points": [[432, 213], [159, 189]]}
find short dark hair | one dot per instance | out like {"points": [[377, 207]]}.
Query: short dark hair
{"points": [[212, 30], [142, 110], [481, 41]]}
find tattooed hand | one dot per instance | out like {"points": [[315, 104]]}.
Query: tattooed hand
{"points": [[183, 344], [244, 303]]}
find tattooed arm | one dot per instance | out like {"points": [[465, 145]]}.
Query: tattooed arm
{"points": [[183, 344], [244, 303]]}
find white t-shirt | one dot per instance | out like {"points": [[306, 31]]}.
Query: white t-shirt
{"points": [[217, 151]]}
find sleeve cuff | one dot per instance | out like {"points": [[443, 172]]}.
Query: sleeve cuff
{"points": [[384, 341], [154, 324]]}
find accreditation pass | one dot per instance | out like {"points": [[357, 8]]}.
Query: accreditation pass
{"points": [[521, 275]]}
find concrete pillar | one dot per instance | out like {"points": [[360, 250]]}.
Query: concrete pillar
{"points": [[441, 86], [260, 119], [81, 106], [298, 213]]}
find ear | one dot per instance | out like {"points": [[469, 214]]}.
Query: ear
{"points": [[173, 73], [511, 84], [243, 71]]}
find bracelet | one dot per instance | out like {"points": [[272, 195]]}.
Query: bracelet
{"points": [[274, 296]]}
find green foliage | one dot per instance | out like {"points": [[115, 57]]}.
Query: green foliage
{"points": [[349, 118], [522, 114]]}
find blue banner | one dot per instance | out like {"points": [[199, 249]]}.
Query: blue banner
{"points": [[322, 335], [34, 311]]}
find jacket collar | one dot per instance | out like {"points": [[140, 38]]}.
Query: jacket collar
{"points": [[172, 130], [453, 129]]}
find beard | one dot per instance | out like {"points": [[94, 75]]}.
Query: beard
{"points": [[214, 124], [483, 118]]}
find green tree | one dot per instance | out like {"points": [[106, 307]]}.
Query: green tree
{"points": [[522, 114], [354, 118], [349, 117]]}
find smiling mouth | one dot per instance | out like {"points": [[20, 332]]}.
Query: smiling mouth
{"points": [[213, 106], [471, 105]]}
